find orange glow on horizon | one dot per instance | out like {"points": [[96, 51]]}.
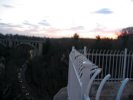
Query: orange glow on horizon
{"points": [[56, 33], [93, 35]]}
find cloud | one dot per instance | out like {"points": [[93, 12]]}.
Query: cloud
{"points": [[24, 28], [104, 11], [29, 24], [8, 6], [105, 32], [8, 29], [44, 23], [7, 25], [76, 28], [102, 29]]}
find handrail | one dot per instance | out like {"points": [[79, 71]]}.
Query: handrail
{"points": [[123, 84], [101, 86], [90, 82]]}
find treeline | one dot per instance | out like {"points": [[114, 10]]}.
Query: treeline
{"points": [[16, 36]]}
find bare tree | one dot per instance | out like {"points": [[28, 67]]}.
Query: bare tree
{"points": [[126, 36], [126, 31]]}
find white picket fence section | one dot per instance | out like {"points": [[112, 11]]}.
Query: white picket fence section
{"points": [[119, 63], [82, 73]]}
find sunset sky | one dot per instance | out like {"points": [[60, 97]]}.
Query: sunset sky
{"points": [[63, 18]]}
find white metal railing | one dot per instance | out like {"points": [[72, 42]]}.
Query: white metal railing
{"points": [[101, 86], [82, 73], [119, 63]]}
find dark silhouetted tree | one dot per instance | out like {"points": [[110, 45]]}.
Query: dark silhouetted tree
{"points": [[102, 43], [126, 31], [76, 36], [76, 41], [98, 37], [125, 36]]}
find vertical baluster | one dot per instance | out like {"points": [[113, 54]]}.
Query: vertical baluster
{"points": [[131, 72]]}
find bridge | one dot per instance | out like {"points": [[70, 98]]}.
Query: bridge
{"points": [[83, 83], [36, 45]]}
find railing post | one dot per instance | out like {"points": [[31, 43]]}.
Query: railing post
{"points": [[73, 47], [85, 51], [125, 60]]}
